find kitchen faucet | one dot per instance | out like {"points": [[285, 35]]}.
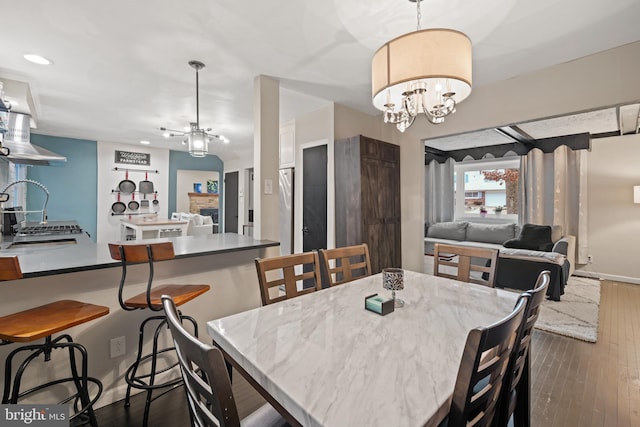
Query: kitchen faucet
{"points": [[46, 200]]}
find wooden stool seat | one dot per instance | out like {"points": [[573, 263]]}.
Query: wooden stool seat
{"points": [[42, 322], [180, 294], [39, 322]]}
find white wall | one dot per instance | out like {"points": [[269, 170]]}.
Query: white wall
{"points": [[184, 185], [108, 226], [613, 218], [313, 129], [244, 167]]}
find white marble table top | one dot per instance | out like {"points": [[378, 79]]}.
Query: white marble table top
{"points": [[329, 362]]}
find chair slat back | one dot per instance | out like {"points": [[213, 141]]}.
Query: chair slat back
{"points": [[346, 264], [205, 376], [482, 371], [517, 365], [10, 268], [288, 276], [456, 262]]}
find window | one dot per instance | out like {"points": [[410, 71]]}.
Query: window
{"points": [[489, 189]]}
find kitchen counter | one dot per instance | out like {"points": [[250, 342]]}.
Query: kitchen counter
{"points": [[49, 255]]}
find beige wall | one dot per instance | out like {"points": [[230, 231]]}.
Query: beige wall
{"points": [[603, 79], [613, 218], [234, 288], [266, 125], [348, 123]]}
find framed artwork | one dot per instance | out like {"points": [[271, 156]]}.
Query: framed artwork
{"points": [[212, 186]]}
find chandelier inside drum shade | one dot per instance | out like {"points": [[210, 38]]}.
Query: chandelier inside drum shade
{"points": [[423, 72], [197, 139]]}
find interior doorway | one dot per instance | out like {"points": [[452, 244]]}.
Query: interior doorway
{"points": [[314, 198], [231, 202]]}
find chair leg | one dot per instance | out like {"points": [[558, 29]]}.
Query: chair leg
{"points": [[522, 414]]}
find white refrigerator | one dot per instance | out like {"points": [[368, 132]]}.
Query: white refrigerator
{"points": [[286, 211]]}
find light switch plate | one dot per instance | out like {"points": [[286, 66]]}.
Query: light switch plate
{"points": [[268, 186]]}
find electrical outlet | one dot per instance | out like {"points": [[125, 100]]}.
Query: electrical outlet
{"points": [[117, 347], [589, 258]]}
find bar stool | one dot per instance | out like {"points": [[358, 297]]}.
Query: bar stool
{"points": [[147, 379], [42, 322]]}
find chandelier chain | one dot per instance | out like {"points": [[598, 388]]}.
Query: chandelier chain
{"points": [[419, 14]]}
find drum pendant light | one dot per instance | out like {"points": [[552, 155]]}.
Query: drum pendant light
{"points": [[425, 71]]}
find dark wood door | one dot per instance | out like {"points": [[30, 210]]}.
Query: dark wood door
{"points": [[380, 168], [314, 198], [368, 198], [231, 202]]}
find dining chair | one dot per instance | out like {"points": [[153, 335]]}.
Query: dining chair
{"points": [[515, 398], [147, 372], [460, 262], [342, 265], [288, 276], [207, 385], [482, 371]]}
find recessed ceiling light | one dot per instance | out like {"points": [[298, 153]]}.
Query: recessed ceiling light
{"points": [[145, 142], [37, 59]]}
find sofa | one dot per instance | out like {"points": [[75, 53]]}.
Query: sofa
{"points": [[518, 265], [198, 224]]}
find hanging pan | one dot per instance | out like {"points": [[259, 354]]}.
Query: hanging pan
{"points": [[155, 199], [145, 187], [127, 186], [118, 207], [133, 204]]}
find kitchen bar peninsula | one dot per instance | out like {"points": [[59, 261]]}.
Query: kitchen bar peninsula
{"points": [[74, 267]]}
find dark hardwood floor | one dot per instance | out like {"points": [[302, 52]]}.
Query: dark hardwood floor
{"points": [[170, 410], [574, 383]]}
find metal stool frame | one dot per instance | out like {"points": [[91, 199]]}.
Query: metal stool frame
{"points": [[148, 381], [12, 393]]}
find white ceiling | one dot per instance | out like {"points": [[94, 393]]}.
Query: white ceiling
{"points": [[120, 67]]}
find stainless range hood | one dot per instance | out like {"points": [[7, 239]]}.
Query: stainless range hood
{"points": [[17, 140]]}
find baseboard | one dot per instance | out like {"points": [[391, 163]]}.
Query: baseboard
{"points": [[603, 276]]}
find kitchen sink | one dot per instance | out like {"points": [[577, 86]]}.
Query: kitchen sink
{"points": [[41, 243]]}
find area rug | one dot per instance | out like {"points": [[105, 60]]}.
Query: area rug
{"points": [[576, 315]]}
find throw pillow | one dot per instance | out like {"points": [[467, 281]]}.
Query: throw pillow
{"points": [[535, 237]]}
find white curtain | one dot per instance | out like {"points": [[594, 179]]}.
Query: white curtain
{"points": [[553, 189], [439, 195]]}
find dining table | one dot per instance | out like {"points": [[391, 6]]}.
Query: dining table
{"points": [[322, 359]]}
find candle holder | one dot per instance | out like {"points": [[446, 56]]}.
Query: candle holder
{"points": [[393, 280]]}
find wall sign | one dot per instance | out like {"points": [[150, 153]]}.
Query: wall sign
{"points": [[131, 158]]}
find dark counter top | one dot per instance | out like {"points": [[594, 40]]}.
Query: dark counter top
{"points": [[43, 256]]}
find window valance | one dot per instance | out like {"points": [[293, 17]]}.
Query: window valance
{"points": [[580, 141]]}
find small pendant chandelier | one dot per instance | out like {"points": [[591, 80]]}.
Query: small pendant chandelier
{"points": [[197, 139], [425, 71]]}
